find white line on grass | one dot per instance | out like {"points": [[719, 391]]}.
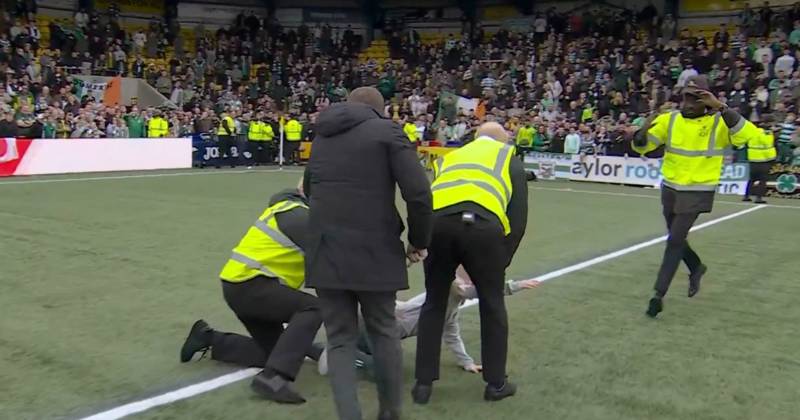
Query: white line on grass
{"points": [[652, 197], [210, 385], [112, 177], [172, 396]]}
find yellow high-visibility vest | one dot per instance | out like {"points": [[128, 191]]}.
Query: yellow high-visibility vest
{"points": [[257, 131], [294, 130], [478, 173], [157, 127], [265, 250], [411, 132], [525, 136], [269, 133], [231, 126], [695, 148], [762, 148]]}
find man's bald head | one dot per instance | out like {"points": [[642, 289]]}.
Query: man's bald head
{"points": [[493, 130], [368, 96]]}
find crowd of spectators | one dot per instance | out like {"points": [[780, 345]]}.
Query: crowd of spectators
{"points": [[575, 82]]}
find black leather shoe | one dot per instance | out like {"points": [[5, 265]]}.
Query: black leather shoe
{"points": [[199, 339], [655, 306], [276, 389], [694, 279], [747, 199], [496, 394], [761, 201], [421, 393]]}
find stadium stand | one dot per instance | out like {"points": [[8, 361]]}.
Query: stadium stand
{"points": [[590, 72]]}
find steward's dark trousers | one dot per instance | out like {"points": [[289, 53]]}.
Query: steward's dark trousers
{"points": [[340, 311], [291, 151], [244, 351], [226, 144], [480, 247], [264, 305], [759, 172], [677, 249], [260, 150]]}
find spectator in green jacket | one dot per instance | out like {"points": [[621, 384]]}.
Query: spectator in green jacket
{"points": [[540, 141], [135, 124]]}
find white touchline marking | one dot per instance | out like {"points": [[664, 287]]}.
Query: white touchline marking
{"points": [[652, 197], [210, 385], [113, 177], [172, 396]]}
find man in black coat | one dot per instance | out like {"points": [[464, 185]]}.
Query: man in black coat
{"points": [[356, 254]]}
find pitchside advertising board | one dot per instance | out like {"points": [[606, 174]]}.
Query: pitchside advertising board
{"points": [[206, 152], [622, 170], [65, 156]]}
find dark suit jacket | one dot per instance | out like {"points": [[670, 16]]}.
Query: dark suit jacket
{"points": [[354, 240]]}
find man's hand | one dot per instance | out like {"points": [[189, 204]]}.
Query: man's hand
{"points": [[641, 139], [708, 99], [529, 284], [473, 368], [415, 255]]}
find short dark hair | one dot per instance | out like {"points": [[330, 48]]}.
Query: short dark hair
{"points": [[368, 96]]}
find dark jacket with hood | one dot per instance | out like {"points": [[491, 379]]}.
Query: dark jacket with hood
{"points": [[359, 158]]}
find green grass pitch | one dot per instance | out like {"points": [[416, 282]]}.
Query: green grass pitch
{"points": [[102, 277]]}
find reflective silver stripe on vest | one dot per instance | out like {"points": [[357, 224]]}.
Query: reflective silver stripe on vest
{"points": [[655, 141], [695, 153], [712, 143], [698, 187], [480, 184], [761, 147], [738, 126], [763, 160], [276, 235], [672, 117], [438, 164], [496, 172], [255, 265]]}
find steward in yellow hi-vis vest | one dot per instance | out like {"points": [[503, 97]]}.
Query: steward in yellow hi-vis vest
{"points": [[157, 126], [480, 204], [225, 139], [695, 141], [259, 136], [411, 132], [260, 283], [293, 133], [761, 153]]}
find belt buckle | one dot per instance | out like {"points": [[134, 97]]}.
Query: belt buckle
{"points": [[468, 217]]}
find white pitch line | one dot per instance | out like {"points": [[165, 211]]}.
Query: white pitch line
{"points": [[210, 385], [652, 197], [172, 396], [113, 177]]}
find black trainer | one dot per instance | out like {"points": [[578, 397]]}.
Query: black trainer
{"points": [[421, 394], [199, 339], [275, 388], [655, 306], [496, 394], [747, 199], [761, 201], [694, 279]]}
